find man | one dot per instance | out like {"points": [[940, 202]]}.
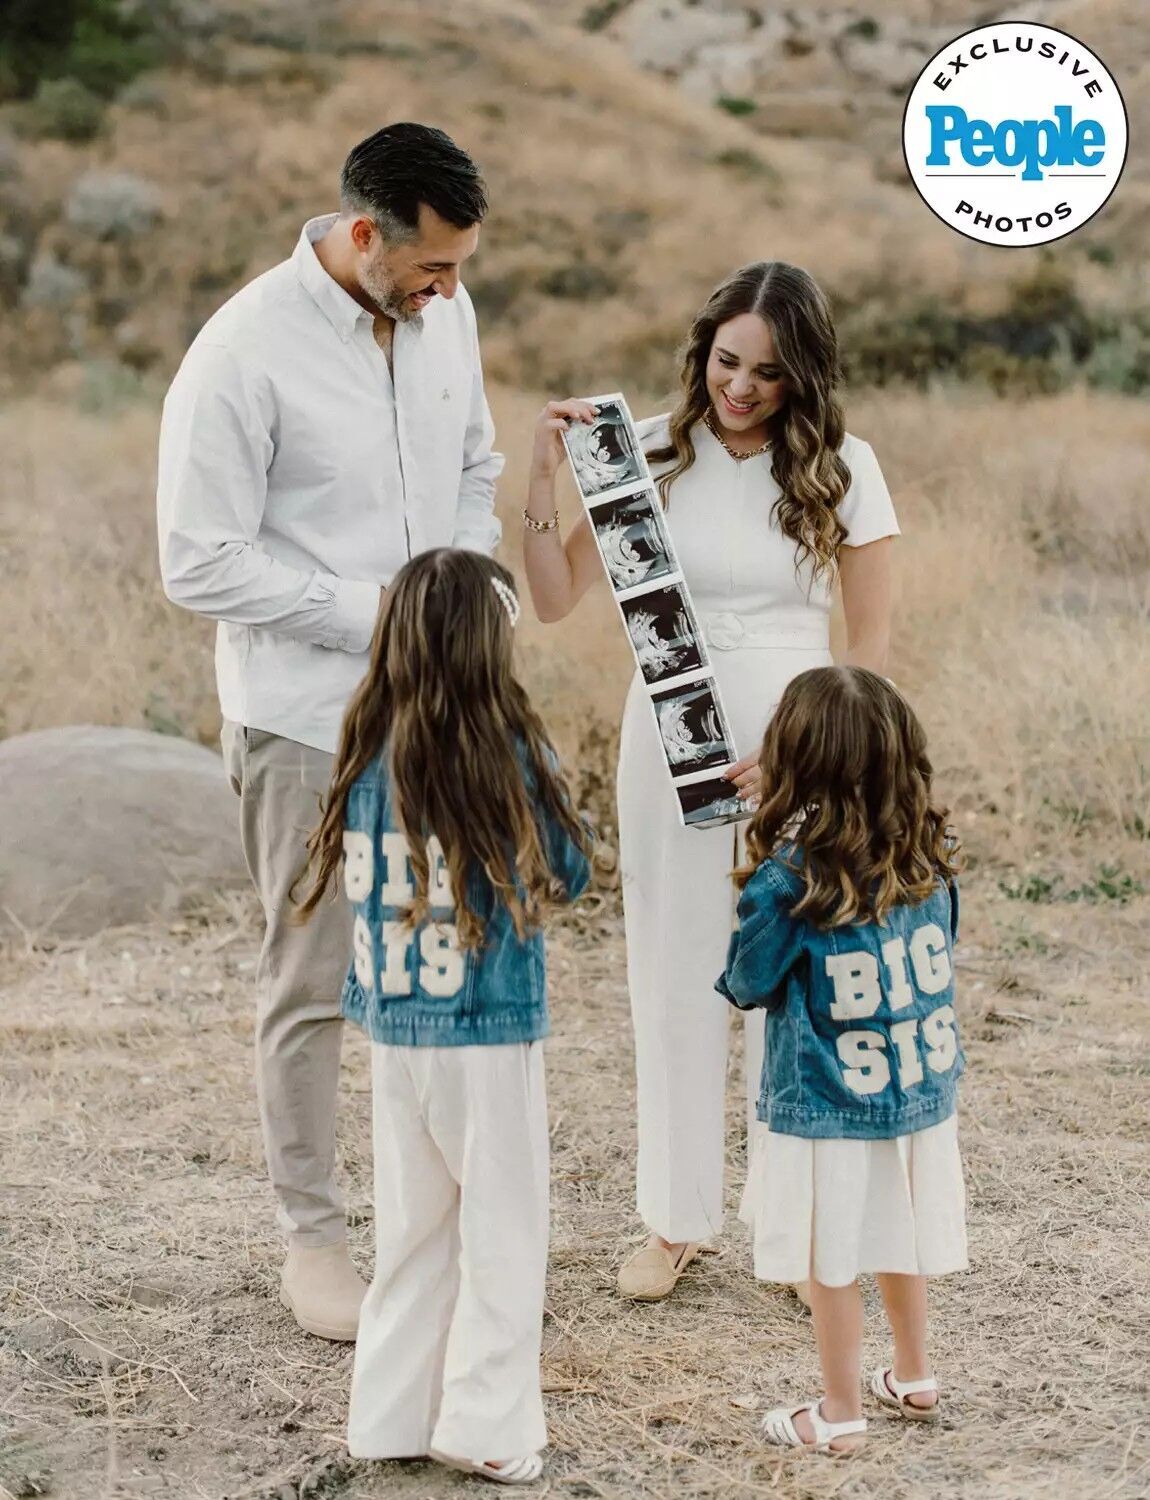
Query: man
{"points": [[328, 423]]}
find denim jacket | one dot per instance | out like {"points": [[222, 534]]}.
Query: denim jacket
{"points": [[861, 1039], [419, 988]]}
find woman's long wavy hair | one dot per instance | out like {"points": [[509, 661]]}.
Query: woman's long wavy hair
{"points": [[847, 792], [441, 700], [806, 432]]}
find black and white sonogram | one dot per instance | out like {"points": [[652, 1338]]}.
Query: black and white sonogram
{"points": [[692, 729], [663, 633], [633, 540], [705, 804], [605, 454]]}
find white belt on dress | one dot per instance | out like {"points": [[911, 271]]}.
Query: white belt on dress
{"points": [[727, 631]]}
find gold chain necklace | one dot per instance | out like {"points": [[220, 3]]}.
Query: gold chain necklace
{"points": [[712, 426]]}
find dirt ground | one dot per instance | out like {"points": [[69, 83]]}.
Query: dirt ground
{"points": [[143, 1350]]}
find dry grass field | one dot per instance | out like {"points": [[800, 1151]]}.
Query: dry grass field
{"points": [[143, 1351], [1021, 630], [146, 1353]]}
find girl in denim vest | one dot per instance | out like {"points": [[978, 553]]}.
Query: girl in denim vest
{"points": [[847, 921], [457, 836]]}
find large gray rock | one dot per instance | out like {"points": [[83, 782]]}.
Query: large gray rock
{"points": [[101, 827]]}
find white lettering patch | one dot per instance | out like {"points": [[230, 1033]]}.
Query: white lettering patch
{"points": [[860, 986], [442, 963], [855, 979]]}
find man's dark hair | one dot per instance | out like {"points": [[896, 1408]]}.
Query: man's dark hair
{"points": [[401, 166]]}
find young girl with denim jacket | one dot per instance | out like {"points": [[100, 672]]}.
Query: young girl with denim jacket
{"points": [[847, 921], [457, 836]]}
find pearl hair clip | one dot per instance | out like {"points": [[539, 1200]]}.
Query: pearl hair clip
{"points": [[508, 598]]}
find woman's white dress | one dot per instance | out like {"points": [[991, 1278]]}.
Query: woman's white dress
{"points": [[764, 623]]}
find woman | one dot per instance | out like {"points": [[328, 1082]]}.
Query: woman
{"points": [[769, 501]]}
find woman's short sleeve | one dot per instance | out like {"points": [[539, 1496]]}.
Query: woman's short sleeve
{"points": [[654, 432], [867, 510]]}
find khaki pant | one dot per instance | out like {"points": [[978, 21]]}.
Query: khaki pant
{"points": [[299, 977]]}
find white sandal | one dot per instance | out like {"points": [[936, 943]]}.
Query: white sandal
{"points": [[778, 1427], [893, 1393], [512, 1471]]}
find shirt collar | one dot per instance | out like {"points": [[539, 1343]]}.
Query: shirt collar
{"points": [[339, 307]]}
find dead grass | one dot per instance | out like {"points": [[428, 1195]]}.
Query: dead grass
{"points": [[144, 1352], [1022, 627]]}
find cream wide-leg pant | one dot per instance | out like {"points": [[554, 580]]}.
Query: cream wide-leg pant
{"points": [[447, 1356], [679, 908]]}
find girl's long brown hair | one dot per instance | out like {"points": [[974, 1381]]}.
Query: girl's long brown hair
{"points": [[806, 433], [847, 783], [440, 698]]}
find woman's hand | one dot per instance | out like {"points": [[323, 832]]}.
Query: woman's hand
{"points": [[548, 452], [747, 776]]}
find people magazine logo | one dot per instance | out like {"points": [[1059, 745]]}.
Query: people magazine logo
{"points": [[1015, 134]]}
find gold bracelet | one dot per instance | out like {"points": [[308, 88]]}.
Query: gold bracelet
{"points": [[533, 525]]}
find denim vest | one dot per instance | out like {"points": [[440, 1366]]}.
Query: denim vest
{"points": [[861, 1038], [417, 987]]}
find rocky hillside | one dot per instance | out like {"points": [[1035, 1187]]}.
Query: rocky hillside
{"points": [[839, 72], [626, 177]]}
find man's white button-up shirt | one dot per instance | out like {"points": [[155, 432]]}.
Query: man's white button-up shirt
{"points": [[298, 473]]}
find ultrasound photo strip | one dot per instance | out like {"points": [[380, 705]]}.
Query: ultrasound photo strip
{"points": [[710, 802], [606, 456], [651, 595], [693, 727], [633, 539], [664, 632]]}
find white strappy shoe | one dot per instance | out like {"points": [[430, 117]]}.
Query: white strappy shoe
{"points": [[512, 1471], [893, 1393], [778, 1427]]}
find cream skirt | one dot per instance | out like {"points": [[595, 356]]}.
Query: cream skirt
{"points": [[842, 1208]]}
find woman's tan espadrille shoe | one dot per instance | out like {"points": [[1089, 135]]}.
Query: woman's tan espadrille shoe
{"points": [[649, 1274]]}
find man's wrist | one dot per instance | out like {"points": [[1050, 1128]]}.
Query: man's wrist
{"points": [[355, 609]]}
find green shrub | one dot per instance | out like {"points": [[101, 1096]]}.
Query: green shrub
{"points": [[110, 45], [1110, 884], [34, 37], [1120, 359], [109, 386], [100, 44], [112, 206], [1043, 339], [745, 163], [495, 297], [579, 281], [597, 17], [736, 107], [63, 109]]}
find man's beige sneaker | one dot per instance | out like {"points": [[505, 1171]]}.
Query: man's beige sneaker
{"points": [[322, 1290], [649, 1274]]}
